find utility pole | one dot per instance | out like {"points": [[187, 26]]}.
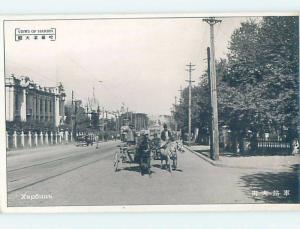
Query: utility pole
{"points": [[210, 104], [214, 101], [190, 69]]}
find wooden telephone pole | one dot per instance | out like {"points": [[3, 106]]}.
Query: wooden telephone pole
{"points": [[190, 69], [213, 87]]}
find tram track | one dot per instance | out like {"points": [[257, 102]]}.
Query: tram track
{"points": [[26, 176]]}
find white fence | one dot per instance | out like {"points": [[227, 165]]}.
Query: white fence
{"points": [[36, 139]]}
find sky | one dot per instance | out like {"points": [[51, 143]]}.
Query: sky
{"points": [[140, 62]]}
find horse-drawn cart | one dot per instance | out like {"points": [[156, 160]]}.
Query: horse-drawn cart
{"points": [[145, 151], [130, 154]]}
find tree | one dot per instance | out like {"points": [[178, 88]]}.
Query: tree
{"points": [[257, 83], [76, 112], [95, 120], [259, 88], [199, 108]]}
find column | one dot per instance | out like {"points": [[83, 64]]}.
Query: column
{"points": [[38, 111], [29, 105], [56, 111], [10, 103], [49, 110], [42, 108], [45, 109], [33, 107], [22, 100], [29, 139]]}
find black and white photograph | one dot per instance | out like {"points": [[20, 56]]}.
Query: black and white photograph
{"points": [[151, 111]]}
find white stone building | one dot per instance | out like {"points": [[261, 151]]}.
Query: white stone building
{"points": [[28, 101]]}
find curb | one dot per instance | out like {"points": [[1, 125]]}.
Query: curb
{"points": [[218, 163], [210, 161]]}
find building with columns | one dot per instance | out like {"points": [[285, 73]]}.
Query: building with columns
{"points": [[27, 101]]}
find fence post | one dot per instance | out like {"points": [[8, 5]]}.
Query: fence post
{"points": [[7, 142], [42, 138], [51, 137], [29, 139], [36, 139], [15, 139], [55, 137], [22, 139], [66, 136], [60, 135], [46, 138]]}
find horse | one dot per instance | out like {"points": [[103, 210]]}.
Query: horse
{"points": [[168, 152], [180, 146]]}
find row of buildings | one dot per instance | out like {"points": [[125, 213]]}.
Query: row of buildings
{"points": [[30, 103], [27, 101]]}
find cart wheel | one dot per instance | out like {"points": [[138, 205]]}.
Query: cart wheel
{"points": [[116, 161]]}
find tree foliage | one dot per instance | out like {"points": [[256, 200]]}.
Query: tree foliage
{"points": [[257, 83]]}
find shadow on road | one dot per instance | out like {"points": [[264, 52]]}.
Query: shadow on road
{"points": [[269, 187], [135, 168], [165, 168]]}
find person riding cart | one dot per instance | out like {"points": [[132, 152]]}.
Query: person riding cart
{"points": [[165, 134], [144, 153]]}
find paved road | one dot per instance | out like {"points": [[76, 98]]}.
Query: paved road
{"points": [[69, 175]]}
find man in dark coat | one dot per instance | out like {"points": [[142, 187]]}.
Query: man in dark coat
{"points": [[165, 134]]}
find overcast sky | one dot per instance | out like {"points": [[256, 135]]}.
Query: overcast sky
{"points": [[140, 61]]}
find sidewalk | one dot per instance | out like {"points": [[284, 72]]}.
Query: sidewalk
{"points": [[45, 148], [247, 162]]}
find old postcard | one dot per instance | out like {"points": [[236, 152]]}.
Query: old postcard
{"points": [[181, 112]]}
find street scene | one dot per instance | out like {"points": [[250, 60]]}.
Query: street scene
{"points": [[152, 111]]}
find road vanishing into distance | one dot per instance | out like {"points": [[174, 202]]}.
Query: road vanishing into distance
{"points": [[68, 175]]}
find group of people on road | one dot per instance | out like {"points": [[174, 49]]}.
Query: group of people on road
{"points": [[162, 142]]}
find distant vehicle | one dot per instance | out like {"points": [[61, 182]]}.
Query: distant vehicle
{"points": [[85, 140]]}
